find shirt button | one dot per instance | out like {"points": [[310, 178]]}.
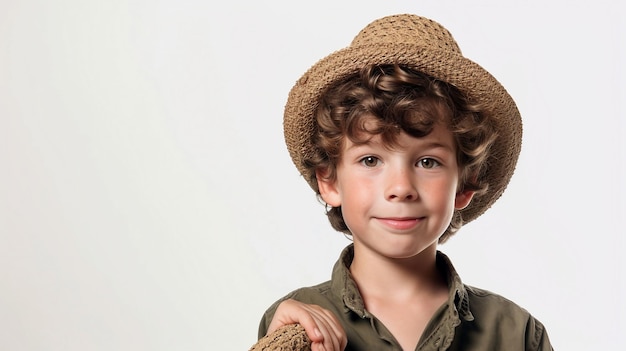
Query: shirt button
{"points": [[437, 342]]}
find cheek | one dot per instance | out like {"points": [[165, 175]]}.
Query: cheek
{"points": [[441, 194], [356, 192]]}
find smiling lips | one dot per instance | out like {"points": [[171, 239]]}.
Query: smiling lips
{"points": [[400, 223]]}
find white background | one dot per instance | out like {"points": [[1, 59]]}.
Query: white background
{"points": [[147, 201]]}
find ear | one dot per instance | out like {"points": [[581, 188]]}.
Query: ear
{"points": [[328, 189], [463, 199]]}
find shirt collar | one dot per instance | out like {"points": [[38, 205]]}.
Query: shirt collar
{"points": [[344, 286]]}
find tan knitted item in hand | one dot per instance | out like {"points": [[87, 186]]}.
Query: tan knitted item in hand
{"points": [[290, 337]]}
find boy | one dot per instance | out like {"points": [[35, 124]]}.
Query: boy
{"points": [[405, 140]]}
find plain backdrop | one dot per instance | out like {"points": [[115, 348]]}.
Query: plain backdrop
{"points": [[147, 200]]}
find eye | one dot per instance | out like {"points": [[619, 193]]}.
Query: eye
{"points": [[427, 163], [370, 161]]}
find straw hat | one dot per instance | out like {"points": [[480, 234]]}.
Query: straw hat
{"points": [[426, 46]]}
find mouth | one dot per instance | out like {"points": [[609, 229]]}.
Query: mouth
{"points": [[403, 223]]}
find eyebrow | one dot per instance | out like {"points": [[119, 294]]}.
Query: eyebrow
{"points": [[436, 145], [428, 145]]}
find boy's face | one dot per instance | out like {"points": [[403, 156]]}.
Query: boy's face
{"points": [[397, 202]]}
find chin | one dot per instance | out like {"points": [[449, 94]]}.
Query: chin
{"points": [[408, 251]]}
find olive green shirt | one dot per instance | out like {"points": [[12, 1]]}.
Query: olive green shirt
{"points": [[472, 319]]}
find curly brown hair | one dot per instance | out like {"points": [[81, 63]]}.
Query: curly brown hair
{"points": [[398, 99]]}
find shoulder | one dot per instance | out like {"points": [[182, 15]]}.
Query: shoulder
{"points": [[316, 294], [310, 294], [482, 300], [506, 318]]}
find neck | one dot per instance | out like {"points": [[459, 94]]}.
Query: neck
{"points": [[401, 278]]}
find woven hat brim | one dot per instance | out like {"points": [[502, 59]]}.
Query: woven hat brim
{"points": [[469, 77]]}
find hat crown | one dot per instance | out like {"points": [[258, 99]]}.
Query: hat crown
{"points": [[407, 30]]}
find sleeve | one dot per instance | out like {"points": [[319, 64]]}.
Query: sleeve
{"points": [[265, 322], [266, 319], [536, 336]]}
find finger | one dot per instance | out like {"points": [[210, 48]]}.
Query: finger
{"points": [[318, 347], [331, 329], [323, 327], [291, 312], [337, 329]]}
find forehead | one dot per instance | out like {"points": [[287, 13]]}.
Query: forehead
{"points": [[439, 136]]}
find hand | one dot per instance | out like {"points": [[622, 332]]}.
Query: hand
{"points": [[321, 325]]}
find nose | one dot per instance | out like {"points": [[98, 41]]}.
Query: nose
{"points": [[401, 185]]}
